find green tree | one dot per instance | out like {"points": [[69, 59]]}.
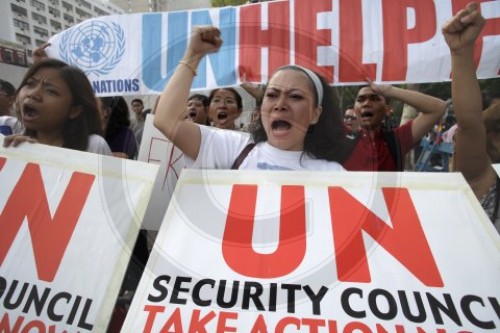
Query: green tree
{"points": [[223, 3]]}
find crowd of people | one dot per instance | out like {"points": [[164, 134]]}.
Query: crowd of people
{"points": [[297, 124]]}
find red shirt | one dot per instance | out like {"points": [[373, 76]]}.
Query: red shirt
{"points": [[374, 155]]}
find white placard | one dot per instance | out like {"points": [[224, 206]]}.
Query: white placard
{"points": [[244, 251], [68, 223]]}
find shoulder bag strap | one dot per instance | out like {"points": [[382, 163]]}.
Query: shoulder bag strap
{"points": [[241, 157]]}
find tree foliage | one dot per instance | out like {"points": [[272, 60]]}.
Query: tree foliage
{"points": [[223, 3]]}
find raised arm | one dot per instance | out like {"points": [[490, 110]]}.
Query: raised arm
{"points": [[255, 90], [471, 157], [430, 108], [169, 113]]}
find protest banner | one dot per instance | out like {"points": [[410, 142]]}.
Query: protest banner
{"points": [[245, 251], [156, 148], [68, 223], [346, 41]]}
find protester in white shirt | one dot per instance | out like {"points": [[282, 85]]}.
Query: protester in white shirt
{"points": [[300, 126]]}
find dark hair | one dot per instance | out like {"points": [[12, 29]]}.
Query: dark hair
{"points": [[325, 139], [489, 96], [239, 100], [137, 100], [200, 97], [76, 131], [386, 99], [119, 116], [387, 122], [7, 87], [349, 107]]}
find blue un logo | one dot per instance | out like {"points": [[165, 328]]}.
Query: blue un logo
{"points": [[96, 47]]}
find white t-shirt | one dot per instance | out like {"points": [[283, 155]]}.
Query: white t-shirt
{"points": [[98, 145], [220, 148]]}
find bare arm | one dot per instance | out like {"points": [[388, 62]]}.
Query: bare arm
{"points": [[431, 108], [170, 111], [471, 157]]}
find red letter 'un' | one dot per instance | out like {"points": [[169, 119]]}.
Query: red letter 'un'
{"points": [[237, 241]]}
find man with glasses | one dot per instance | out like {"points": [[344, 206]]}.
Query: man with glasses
{"points": [[352, 120], [137, 121]]}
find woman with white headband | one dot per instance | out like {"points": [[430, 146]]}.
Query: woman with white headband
{"points": [[300, 125]]}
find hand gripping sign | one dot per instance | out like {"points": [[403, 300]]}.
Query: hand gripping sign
{"points": [[68, 223], [244, 251]]}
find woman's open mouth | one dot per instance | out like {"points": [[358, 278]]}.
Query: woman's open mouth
{"points": [[29, 113], [280, 125]]}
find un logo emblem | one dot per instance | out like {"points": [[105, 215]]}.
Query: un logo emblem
{"points": [[96, 47]]}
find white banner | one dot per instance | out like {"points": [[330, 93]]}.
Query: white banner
{"points": [[321, 252], [344, 40], [157, 149], [497, 168], [68, 223]]}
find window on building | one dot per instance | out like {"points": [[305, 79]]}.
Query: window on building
{"points": [[19, 11], [23, 39], [21, 59], [69, 18], [55, 25], [40, 6], [99, 12], [8, 56], [39, 18], [21, 25], [41, 32], [55, 12], [67, 6], [85, 4]]}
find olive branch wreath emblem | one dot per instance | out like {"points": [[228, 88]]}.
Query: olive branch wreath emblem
{"points": [[65, 50]]}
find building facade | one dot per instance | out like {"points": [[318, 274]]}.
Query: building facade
{"points": [[142, 6], [32, 22]]}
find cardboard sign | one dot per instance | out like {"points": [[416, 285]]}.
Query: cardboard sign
{"points": [[68, 223], [157, 149], [243, 251], [344, 40]]}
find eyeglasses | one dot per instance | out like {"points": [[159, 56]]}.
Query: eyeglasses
{"points": [[350, 117]]}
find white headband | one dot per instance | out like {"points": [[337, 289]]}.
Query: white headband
{"points": [[314, 78]]}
